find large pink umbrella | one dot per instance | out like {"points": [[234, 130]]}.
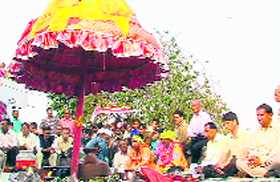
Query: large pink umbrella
{"points": [[79, 47]]}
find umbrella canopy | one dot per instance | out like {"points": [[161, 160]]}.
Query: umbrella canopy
{"points": [[101, 38], [79, 47]]}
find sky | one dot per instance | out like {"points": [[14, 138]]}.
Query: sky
{"points": [[237, 41]]}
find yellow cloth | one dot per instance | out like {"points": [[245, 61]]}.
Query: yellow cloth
{"points": [[236, 145], [137, 138], [266, 142], [62, 145], [168, 134], [214, 149], [57, 14]]}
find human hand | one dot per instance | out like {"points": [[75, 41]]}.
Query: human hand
{"points": [[254, 161]]}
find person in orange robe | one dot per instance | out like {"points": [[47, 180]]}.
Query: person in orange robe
{"points": [[139, 155]]}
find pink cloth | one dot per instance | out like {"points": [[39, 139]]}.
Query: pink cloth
{"points": [[155, 176], [68, 123]]}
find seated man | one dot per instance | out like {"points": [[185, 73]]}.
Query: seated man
{"points": [[170, 153], [264, 149], [236, 144], [121, 157], [64, 146], [213, 152], [139, 155], [8, 142], [99, 142], [46, 153], [26, 139]]}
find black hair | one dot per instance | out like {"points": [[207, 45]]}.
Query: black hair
{"points": [[157, 120], [180, 113], [230, 116], [136, 119], [8, 121], [49, 108], [14, 111], [142, 125], [25, 124], [46, 128], [34, 124], [267, 108], [211, 125]]}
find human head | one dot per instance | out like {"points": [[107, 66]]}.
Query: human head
{"points": [[136, 141], [230, 121], [15, 113], [46, 132], [25, 129], [155, 135], [128, 128], [123, 146], [49, 112], [196, 106], [136, 123], [67, 113], [178, 116], [210, 130], [65, 133], [58, 130], [264, 115], [155, 123], [167, 137], [142, 128], [33, 127], [277, 94], [5, 125], [105, 134]]}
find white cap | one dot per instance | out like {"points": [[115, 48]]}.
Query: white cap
{"points": [[105, 131]]}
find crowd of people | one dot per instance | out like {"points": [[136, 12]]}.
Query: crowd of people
{"points": [[197, 147]]}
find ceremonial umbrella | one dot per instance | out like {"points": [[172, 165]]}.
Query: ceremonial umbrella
{"points": [[111, 110], [79, 47]]}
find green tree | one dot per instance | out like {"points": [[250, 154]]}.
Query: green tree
{"points": [[177, 89]]}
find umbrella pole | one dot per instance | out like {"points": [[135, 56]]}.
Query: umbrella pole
{"points": [[78, 127]]}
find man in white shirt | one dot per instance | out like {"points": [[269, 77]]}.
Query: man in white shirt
{"points": [[196, 130], [27, 140], [212, 154], [121, 157]]}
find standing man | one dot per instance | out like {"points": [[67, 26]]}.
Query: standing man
{"points": [[16, 122], [49, 121], [264, 149], [8, 142], [196, 130], [181, 128], [67, 122]]}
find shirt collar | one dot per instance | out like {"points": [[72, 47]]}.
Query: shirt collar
{"points": [[273, 125]]}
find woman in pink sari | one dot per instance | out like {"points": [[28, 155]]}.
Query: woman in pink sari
{"points": [[170, 152]]}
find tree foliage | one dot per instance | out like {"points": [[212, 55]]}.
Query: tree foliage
{"points": [[178, 88]]}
